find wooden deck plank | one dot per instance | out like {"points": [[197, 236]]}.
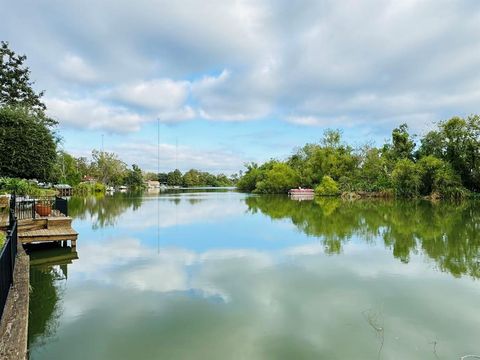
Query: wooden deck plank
{"points": [[55, 234]]}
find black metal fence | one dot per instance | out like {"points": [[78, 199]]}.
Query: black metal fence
{"points": [[7, 260], [26, 208]]}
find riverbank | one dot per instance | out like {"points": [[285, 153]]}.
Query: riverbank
{"points": [[14, 322]]}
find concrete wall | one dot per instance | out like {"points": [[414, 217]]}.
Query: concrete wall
{"points": [[14, 322]]}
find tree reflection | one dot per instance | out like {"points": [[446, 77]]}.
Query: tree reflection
{"points": [[48, 274], [448, 233], [103, 210]]}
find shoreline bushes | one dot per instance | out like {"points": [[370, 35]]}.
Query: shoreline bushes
{"points": [[446, 164]]}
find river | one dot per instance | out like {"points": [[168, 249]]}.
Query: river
{"points": [[225, 275]]}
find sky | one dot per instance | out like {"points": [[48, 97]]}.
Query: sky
{"points": [[218, 83]]}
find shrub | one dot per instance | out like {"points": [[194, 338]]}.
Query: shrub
{"points": [[278, 180], [14, 185], [406, 178], [328, 187], [88, 188]]}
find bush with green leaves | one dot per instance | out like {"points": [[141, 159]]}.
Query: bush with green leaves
{"points": [[278, 180], [328, 187], [406, 179], [86, 188]]}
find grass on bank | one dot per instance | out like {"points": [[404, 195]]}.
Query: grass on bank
{"points": [[2, 239]]}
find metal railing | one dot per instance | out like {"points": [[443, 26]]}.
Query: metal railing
{"points": [[26, 208], [7, 260]]}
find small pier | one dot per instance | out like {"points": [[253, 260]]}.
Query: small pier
{"points": [[56, 229], [37, 226]]}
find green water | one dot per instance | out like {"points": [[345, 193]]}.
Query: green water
{"points": [[224, 275]]}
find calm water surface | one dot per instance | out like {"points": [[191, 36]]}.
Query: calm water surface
{"points": [[224, 275]]}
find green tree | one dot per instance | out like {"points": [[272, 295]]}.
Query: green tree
{"points": [[278, 180], [373, 175], [16, 86], [248, 182], [406, 178], [328, 187], [174, 178], [192, 178], [28, 146], [66, 169], [429, 167], [402, 145], [108, 168], [134, 178]]}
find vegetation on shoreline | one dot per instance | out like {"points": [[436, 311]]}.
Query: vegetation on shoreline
{"points": [[192, 178], [23, 187], [445, 164]]}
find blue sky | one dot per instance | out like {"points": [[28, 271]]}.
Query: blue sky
{"points": [[238, 81]]}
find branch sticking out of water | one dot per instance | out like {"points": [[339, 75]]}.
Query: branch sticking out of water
{"points": [[470, 356], [375, 320]]}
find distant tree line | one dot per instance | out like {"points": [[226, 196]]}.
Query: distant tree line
{"points": [[445, 163], [193, 178]]}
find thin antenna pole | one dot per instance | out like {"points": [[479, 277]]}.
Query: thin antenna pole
{"points": [[158, 147], [176, 153], [158, 174]]}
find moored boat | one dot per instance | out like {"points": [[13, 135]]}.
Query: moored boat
{"points": [[301, 191]]}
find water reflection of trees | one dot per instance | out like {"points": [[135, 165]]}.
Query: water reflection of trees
{"points": [[48, 274], [446, 232], [103, 210]]}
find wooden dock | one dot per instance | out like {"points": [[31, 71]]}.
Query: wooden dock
{"points": [[56, 229], [42, 235]]}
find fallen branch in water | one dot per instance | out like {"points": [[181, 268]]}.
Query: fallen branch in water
{"points": [[470, 356], [373, 320]]}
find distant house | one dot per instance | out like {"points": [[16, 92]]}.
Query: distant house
{"points": [[89, 179], [152, 184]]}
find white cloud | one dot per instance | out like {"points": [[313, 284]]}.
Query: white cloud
{"points": [[186, 157], [312, 61], [73, 67], [156, 94], [94, 115]]}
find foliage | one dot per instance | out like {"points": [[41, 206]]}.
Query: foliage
{"points": [[174, 178], [86, 188], [374, 173], [28, 146], [328, 187], [248, 181], [406, 178], [2, 239], [15, 185], [278, 179], [403, 144], [446, 164], [134, 178], [195, 177], [23, 187], [108, 168], [16, 86], [67, 169], [457, 141]]}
